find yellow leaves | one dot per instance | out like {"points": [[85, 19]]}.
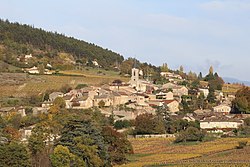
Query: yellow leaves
{"points": [[54, 109], [161, 151]]}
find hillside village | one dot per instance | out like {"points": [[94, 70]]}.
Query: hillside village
{"points": [[66, 102], [126, 101]]}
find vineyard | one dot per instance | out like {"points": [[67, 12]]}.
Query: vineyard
{"points": [[40, 83], [161, 151]]}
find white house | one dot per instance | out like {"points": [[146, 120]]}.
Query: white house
{"points": [[204, 91], [222, 109], [220, 123], [33, 70]]}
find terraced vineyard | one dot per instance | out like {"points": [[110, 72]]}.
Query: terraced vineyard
{"points": [[161, 151]]}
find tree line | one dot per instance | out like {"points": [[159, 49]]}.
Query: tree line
{"points": [[26, 37]]}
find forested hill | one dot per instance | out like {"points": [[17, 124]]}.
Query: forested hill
{"points": [[23, 38]]}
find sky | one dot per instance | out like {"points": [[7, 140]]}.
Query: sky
{"points": [[193, 33]]}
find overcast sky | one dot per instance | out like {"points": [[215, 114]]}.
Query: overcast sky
{"points": [[192, 33]]}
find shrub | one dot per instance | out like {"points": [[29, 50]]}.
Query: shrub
{"points": [[190, 134], [80, 86], [122, 124]]}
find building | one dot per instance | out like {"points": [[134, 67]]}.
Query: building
{"points": [[135, 82], [173, 105], [222, 109], [178, 90], [204, 91], [33, 70], [166, 96], [54, 95], [220, 124]]}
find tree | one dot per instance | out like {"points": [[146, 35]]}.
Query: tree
{"points": [[66, 88], [190, 134], [164, 67], [59, 102], [11, 133], [85, 141], [181, 69], [211, 70], [61, 157], [120, 124], [80, 86], [149, 124], [14, 155], [200, 76], [37, 143], [241, 102], [101, 104], [118, 145]]}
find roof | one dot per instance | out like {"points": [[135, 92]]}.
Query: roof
{"points": [[68, 97], [101, 97], [115, 94], [221, 119], [168, 101], [82, 98]]}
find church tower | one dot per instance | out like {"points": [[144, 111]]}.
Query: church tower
{"points": [[134, 77]]}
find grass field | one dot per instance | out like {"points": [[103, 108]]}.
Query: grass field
{"points": [[39, 83], [162, 152]]}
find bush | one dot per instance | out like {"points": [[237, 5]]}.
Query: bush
{"points": [[122, 124], [190, 134], [80, 86]]}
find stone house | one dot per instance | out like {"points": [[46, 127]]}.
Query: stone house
{"points": [[82, 102], [105, 98], [54, 95], [140, 99], [222, 109], [173, 105], [166, 96]]}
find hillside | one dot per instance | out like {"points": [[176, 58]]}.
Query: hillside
{"points": [[21, 39]]}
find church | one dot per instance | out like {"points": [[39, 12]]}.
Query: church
{"points": [[137, 83]]}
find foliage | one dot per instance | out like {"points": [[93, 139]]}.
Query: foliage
{"points": [[37, 140], [190, 134], [101, 104], [59, 102], [66, 88], [14, 155], [84, 140], [164, 67], [61, 157], [149, 124], [24, 38], [214, 81], [80, 86], [242, 101], [242, 144], [120, 124], [173, 126], [118, 145], [11, 133]]}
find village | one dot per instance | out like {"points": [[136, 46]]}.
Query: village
{"points": [[125, 101]]}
